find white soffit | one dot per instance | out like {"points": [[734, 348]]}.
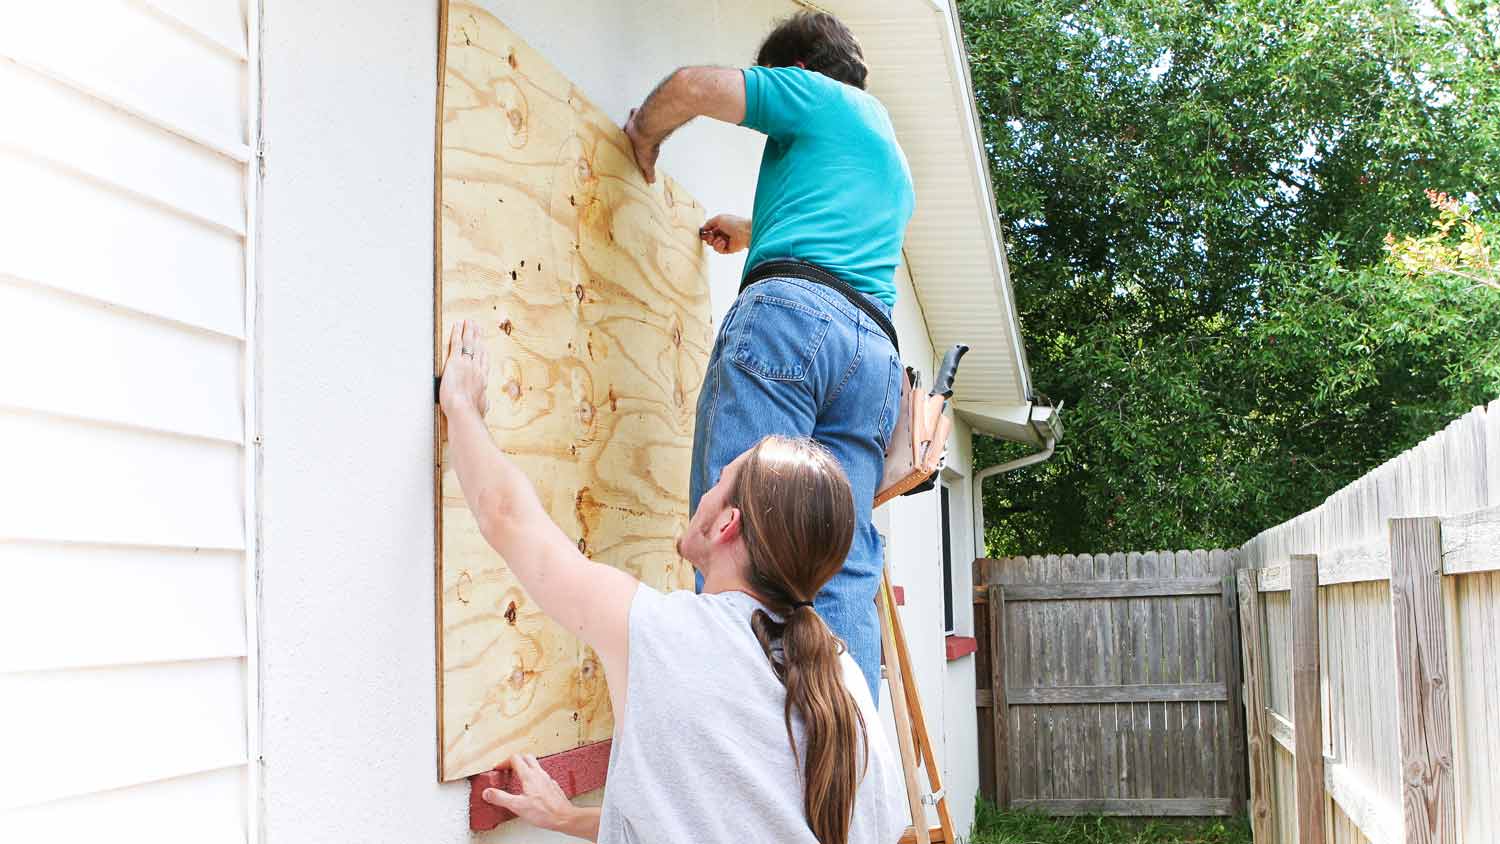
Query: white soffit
{"points": [[957, 257]]}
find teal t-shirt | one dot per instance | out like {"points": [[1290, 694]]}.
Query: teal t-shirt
{"points": [[834, 188]]}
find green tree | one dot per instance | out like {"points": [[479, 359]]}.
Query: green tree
{"points": [[1196, 197]]}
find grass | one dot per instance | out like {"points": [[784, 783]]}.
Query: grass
{"points": [[992, 826]]}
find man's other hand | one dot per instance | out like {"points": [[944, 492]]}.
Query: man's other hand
{"points": [[646, 149], [466, 372], [726, 233]]}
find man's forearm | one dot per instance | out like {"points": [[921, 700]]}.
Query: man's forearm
{"points": [[687, 93]]}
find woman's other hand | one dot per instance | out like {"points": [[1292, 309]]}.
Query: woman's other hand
{"points": [[466, 372], [542, 802], [726, 233]]}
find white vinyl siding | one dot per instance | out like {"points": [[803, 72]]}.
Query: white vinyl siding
{"points": [[127, 645]]}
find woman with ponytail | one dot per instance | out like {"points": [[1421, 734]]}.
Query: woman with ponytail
{"points": [[739, 717]]}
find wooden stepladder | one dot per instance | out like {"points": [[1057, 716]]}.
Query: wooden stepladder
{"points": [[911, 728]]}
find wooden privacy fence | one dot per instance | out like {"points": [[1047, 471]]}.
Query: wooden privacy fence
{"points": [[1371, 630], [1109, 683]]}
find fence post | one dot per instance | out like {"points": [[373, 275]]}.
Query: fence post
{"points": [[1255, 705], [984, 719], [1307, 706], [1229, 657], [999, 710], [1426, 734]]}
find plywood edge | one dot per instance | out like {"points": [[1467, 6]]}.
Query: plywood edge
{"points": [[437, 370]]}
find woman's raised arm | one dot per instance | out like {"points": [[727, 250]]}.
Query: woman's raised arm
{"points": [[589, 599]]}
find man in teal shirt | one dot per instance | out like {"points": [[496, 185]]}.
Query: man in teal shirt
{"points": [[797, 356]]}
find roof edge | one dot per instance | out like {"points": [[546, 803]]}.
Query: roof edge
{"points": [[959, 63]]}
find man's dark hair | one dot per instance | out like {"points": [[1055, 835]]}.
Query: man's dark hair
{"points": [[820, 42]]}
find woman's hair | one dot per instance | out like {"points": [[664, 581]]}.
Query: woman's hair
{"points": [[797, 514], [820, 42]]}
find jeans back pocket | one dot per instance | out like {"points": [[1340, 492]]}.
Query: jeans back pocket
{"points": [[780, 338]]}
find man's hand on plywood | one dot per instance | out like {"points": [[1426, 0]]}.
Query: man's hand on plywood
{"points": [[717, 92]]}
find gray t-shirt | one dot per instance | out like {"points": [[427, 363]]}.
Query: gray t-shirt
{"points": [[701, 754]]}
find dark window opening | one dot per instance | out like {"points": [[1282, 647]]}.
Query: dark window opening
{"points": [[947, 562]]}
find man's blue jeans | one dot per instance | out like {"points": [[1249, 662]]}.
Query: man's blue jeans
{"points": [[798, 359]]}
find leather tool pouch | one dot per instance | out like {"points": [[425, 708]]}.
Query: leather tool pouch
{"points": [[918, 443]]}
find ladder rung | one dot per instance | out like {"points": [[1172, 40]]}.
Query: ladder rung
{"points": [[935, 835]]}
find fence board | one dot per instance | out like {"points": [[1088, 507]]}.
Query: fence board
{"points": [[1102, 729], [1275, 578], [1427, 796], [1001, 764], [1155, 692], [1231, 752], [1251, 625], [1115, 589], [1371, 814], [1354, 564], [1471, 541], [1282, 732], [1160, 807], [1476, 675], [984, 718], [1306, 704]]}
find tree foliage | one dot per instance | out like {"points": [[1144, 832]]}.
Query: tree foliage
{"points": [[1197, 196]]}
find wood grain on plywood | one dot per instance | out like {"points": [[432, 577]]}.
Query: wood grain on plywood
{"points": [[589, 286]]}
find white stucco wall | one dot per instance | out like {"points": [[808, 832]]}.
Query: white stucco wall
{"points": [[346, 582], [347, 661]]}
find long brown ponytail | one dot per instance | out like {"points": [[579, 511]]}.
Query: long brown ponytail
{"points": [[798, 522]]}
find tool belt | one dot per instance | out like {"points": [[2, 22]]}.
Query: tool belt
{"points": [[918, 443], [793, 268]]}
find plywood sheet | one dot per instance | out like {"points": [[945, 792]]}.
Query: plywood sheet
{"points": [[591, 290]]}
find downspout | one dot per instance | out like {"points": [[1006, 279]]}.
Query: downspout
{"points": [[976, 493]]}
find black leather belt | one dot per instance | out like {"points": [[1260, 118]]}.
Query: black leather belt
{"points": [[792, 268]]}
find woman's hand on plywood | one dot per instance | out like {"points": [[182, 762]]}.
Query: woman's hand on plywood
{"points": [[466, 372], [542, 802], [726, 233]]}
